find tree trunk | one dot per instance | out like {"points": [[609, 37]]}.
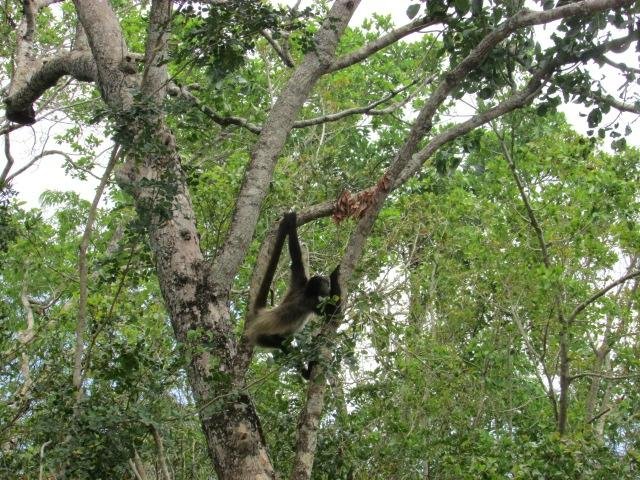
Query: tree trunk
{"points": [[196, 298]]}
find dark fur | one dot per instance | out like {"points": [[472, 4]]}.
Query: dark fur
{"points": [[271, 327]]}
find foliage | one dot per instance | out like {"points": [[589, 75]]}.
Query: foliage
{"points": [[447, 365]]}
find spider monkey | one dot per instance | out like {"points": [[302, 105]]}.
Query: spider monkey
{"points": [[272, 327]]}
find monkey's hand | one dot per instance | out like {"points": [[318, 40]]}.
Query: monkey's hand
{"points": [[335, 293], [334, 275]]}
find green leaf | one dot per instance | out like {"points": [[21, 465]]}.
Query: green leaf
{"points": [[486, 93], [594, 118], [413, 10], [462, 6]]}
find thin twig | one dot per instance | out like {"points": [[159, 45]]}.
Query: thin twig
{"points": [[10, 161]]}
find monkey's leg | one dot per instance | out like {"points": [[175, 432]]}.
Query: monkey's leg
{"points": [[272, 341], [284, 345]]}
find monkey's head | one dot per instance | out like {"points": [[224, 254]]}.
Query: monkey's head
{"points": [[317, 287]]}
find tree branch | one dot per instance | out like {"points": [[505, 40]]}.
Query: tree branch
{"points": [[382, 42], [19, 102], [600, 293], [367, 109], [620, 66], [525, 200], [7, 153], [175, 90], [284, 54], [603, 375], [617, 104], [180, 91], [81, 324], [33, 161], [272, 139]]}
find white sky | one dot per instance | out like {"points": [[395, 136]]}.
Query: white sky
{"points": [[48, 174]]}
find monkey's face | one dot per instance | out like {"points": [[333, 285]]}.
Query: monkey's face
{"points": [[317, 286]]}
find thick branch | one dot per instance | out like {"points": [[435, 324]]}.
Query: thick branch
{"points": [[272, 139], [108, 49], [19, 102]]}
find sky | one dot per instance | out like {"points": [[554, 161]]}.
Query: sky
{"points": [[48, 173]]}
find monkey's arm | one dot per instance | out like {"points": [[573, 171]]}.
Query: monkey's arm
{"points": [[263, 292], [298, 274], [332, 308]]}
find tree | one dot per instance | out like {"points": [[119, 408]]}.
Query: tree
{"points": [[489, 52]]}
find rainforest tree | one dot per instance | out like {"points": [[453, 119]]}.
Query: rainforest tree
{"points": [[226, 114]]}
